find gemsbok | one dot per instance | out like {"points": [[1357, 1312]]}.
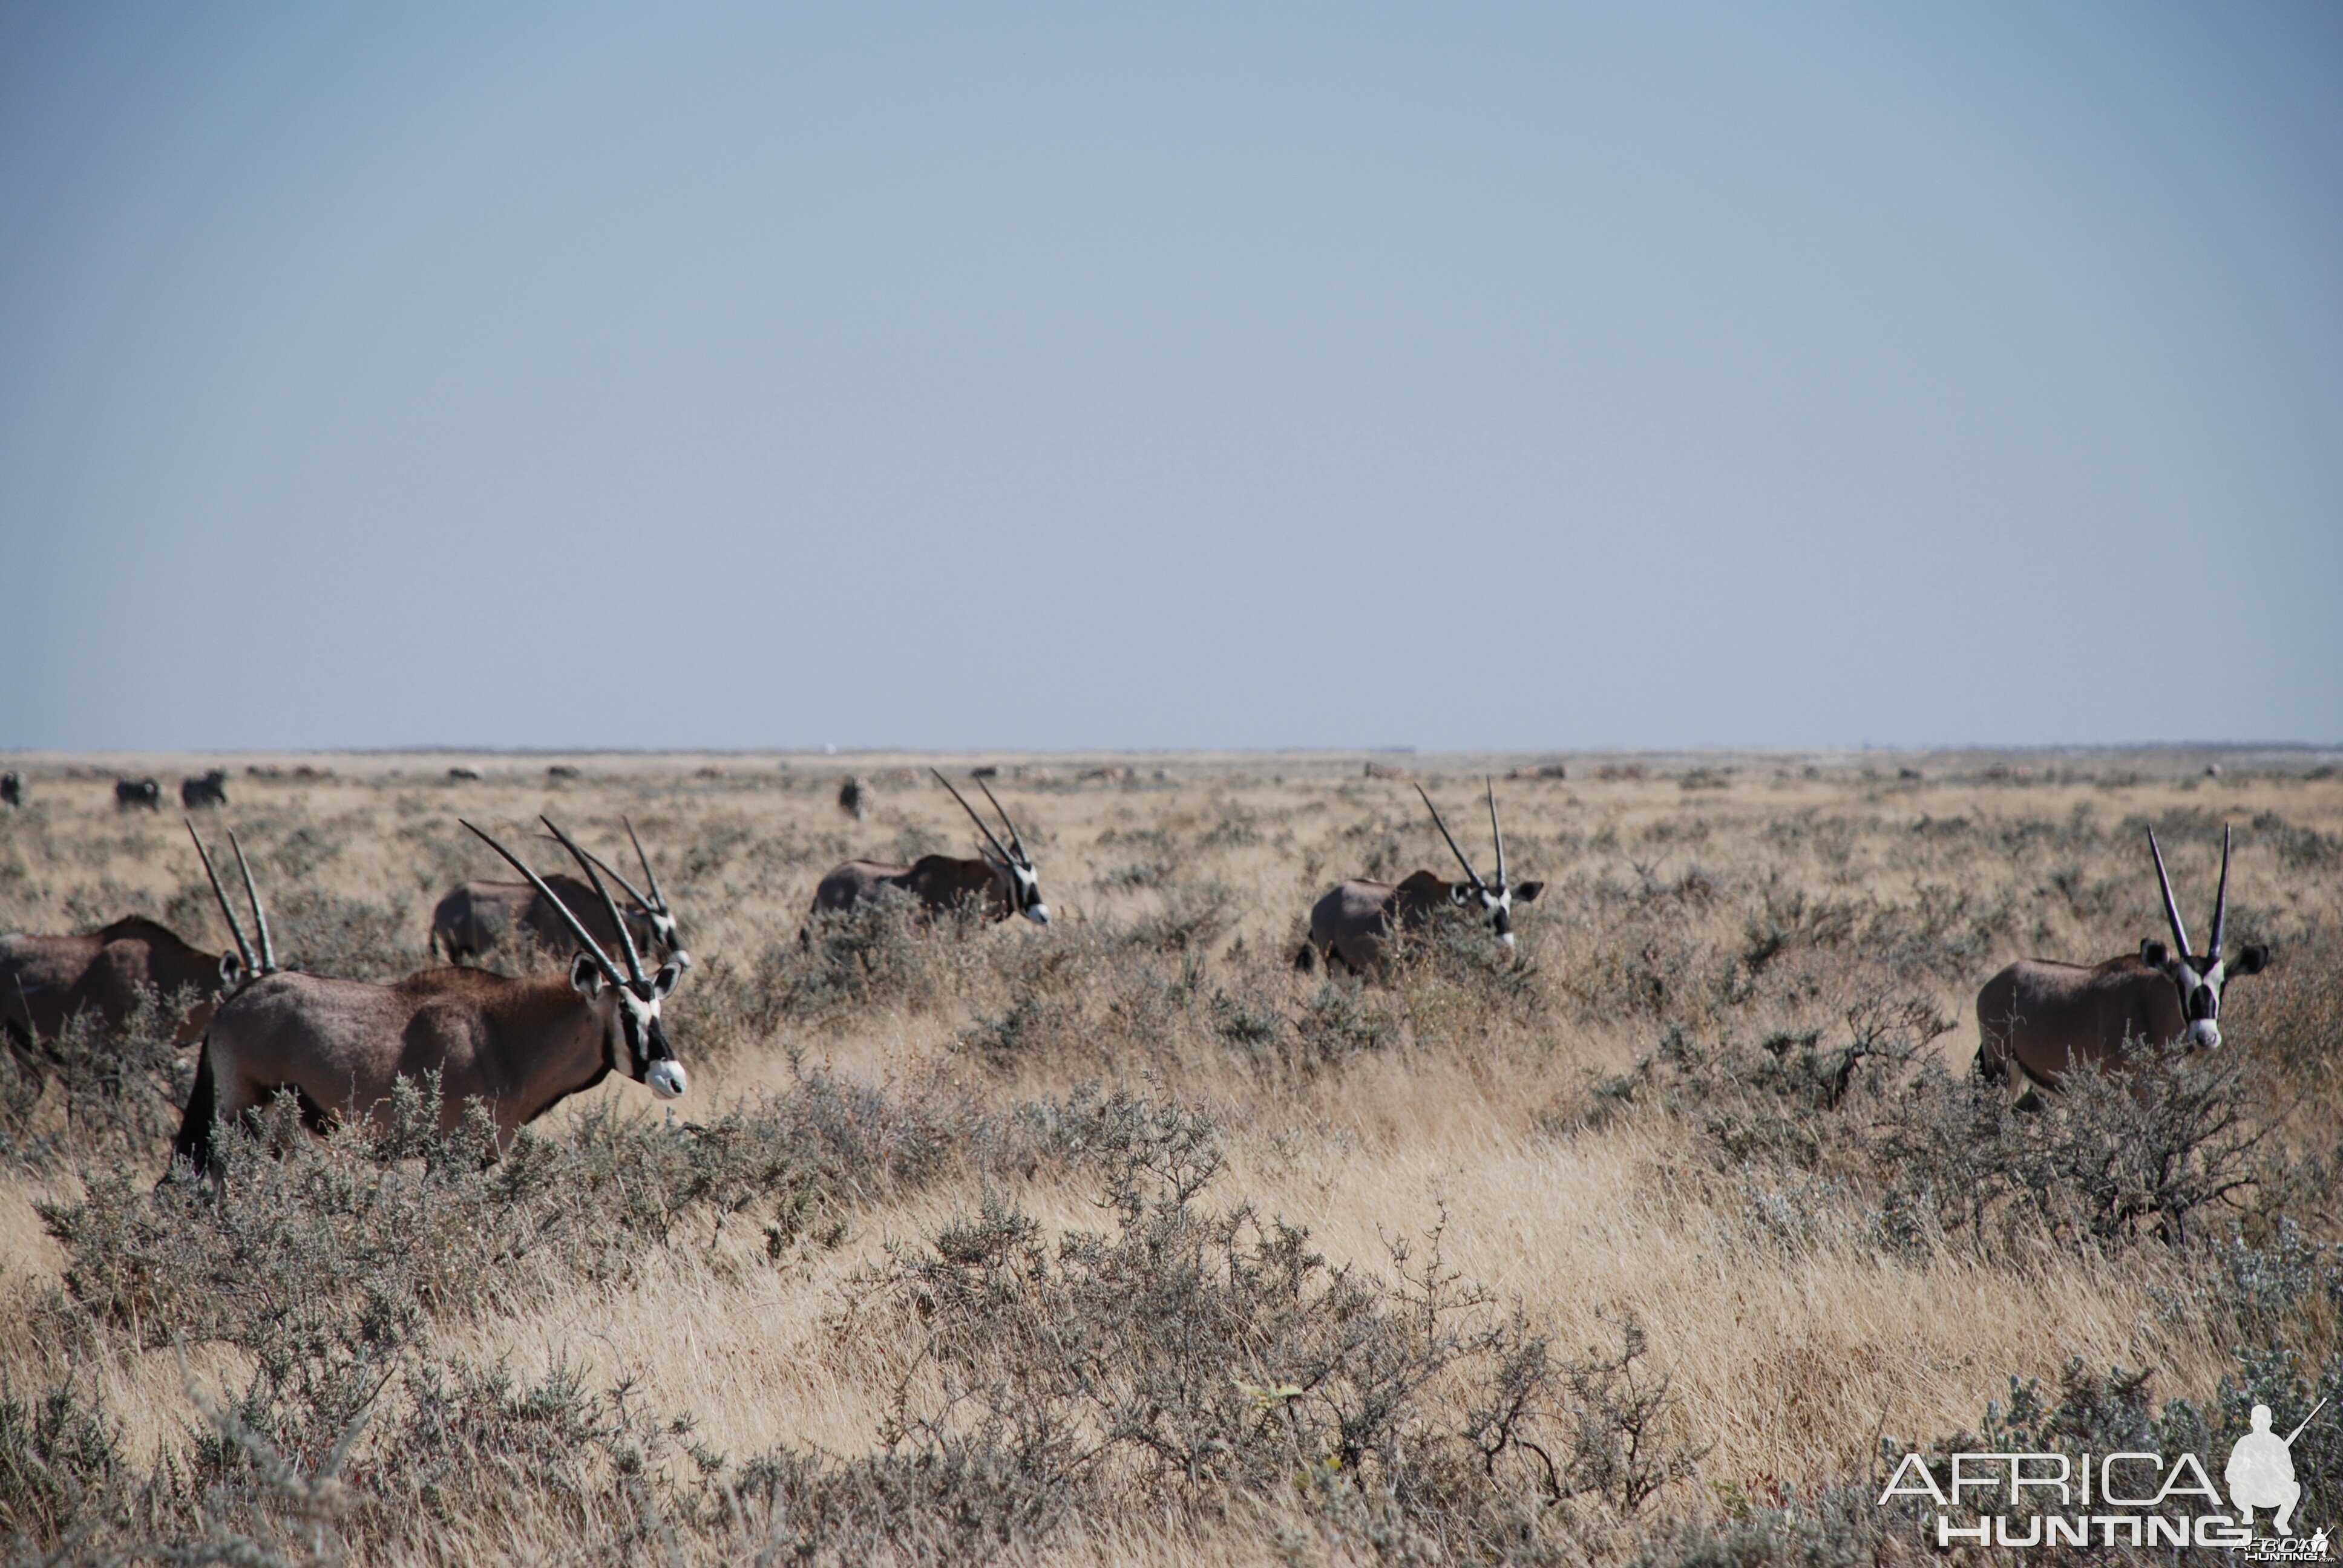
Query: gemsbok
{"points": [[1354, 919], [46, 982], [129, 794], [204, 789], [476, 916], [1002, 875], [518, 1046], [2035, 1019]]}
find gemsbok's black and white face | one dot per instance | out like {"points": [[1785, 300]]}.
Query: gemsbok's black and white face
{"points": [[2199, 980], [630, 1011], [1495, 903], [628, 1004], [670, 936], [2199, 977], [1023, 885], [1020, 884], [1493, 899]]}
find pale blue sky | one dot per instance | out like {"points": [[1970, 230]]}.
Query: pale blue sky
{"points": [[1170, 376]]}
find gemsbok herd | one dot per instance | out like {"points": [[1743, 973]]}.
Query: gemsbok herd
{"points": [[520, 1045]]}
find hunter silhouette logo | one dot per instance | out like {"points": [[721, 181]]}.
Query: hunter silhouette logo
{"points": [[2260, 1471]]}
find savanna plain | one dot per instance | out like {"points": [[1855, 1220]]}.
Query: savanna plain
{"points": [[1655, 1239]]}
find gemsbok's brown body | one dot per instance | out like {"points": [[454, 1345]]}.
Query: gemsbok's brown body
{"points": [[518, 1046], [2037, 1021], [1002, 877], [476, 917], [1350, 923], [44, 981]]}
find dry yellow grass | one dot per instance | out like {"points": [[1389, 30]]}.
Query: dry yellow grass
{"points": [[1790, 1361]]}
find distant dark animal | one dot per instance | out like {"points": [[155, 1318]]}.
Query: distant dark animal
{"points": [[518, 1046], [1002, 875], [987, 771], [463, 774], [562, 771], [1354, 921], [854, 799], [2035, 1019], [205, 790], [12, 788], [475, 917], [131, 794]]}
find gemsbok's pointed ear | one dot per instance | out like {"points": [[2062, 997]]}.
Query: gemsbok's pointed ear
{"points": [[1527, 892], [2153, 953], [586, 976], [2250, 960], [665, 981], [231, 970]]}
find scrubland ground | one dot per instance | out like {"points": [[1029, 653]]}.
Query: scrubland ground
{"points": [[1125, 1240]]}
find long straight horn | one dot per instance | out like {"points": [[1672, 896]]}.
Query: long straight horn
{"points": [[1016, 841], [585, 942], [1495, 831], [625, 886], [972, 816], [626, 937], [1453, 848], [2221, 898], [259, 915], [650, 876], [243, 947], [2171, 910]]}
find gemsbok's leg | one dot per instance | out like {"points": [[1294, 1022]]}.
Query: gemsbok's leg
{"points": [[194, 1143]]}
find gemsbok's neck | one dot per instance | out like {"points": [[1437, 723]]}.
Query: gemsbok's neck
{"points": [[549, 1040]]}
